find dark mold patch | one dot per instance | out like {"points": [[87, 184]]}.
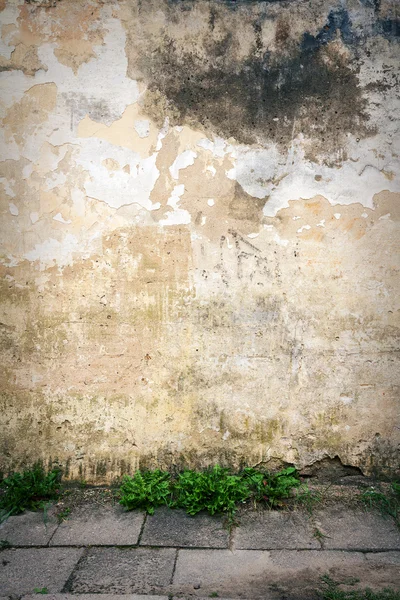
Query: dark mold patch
{"points": [[330, 469], [43, 3], [389, 28], [338, 21], [310, 88]]}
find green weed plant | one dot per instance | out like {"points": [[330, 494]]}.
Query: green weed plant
{"points": [[31, 490], [388, 503], [331, 591], [271, 488], [146, 490], [215, 490]]}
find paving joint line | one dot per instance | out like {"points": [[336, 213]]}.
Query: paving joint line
{"points": [[52, 535], [232, 538], [66, 589], [177, 547], [170, 596], [142, 529]]}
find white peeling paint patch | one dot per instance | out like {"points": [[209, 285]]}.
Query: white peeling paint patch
{"points": [[210, 202], [346, 399], [118, 188], [61, 219], [218, 147], [34, 217], [13, 209], [364, 215], [183, 160], [252, 235], [280, 241], [27, 171], [56, 179], [142, 128], [304, 227], [384, 217], [7, 186], [321, 223], [203, 220], [178, 216], [226, 435], [53, 252], [296, 218], [177, 192], [211, 170], [255, 169], [337, 215], [346, 185], [9, 16]]}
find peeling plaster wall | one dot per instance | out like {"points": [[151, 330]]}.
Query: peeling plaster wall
{"points": [[200, 205]]}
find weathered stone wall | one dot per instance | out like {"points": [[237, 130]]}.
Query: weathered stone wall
{"points": [[200, 205]]}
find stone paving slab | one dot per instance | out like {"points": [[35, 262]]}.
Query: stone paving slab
{"points": [[273, 530], [356, 530], [93, 525], [124, 571], [96, 597], [175, 528], [29, 529], [23, 570], [273, 574], [386, 558]]}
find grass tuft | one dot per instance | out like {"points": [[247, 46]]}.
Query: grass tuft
{"points": [[331, 591], [388, 503]]}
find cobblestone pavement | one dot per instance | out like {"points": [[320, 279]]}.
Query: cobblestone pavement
{"points": [[269, 555]]}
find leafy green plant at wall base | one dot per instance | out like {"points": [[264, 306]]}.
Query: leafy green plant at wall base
{"points": [[146, 490], [214, 490], [28, 490], [271, 488]]}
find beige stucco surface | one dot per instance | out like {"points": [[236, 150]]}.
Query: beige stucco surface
{"points": [[200, 208]]}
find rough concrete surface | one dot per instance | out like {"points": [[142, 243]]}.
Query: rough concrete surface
{"points": [[23, 570], [176, 528], [96, 597], [199, 226], [271, 574], [272, 530], [356, 530], [29, 529], [95, 525], [124, 571], [251, 574]]}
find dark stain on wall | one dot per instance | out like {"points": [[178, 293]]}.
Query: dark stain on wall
{"points": [[268, 96]]}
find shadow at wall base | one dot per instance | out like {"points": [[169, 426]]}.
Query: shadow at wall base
{"points": [[326, 469]]}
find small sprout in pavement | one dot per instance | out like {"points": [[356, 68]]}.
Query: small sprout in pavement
{"points": [[213, 595], [43, 590], [63, 514], [4, 544], [319, 535]]}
